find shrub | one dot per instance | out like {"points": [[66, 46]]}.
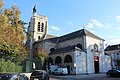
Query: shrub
{"points": [[8, 66]]}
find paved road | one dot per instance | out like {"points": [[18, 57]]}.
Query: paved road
{"points": [[89, 79], [95, 78], [83, 77], [101, 78]]}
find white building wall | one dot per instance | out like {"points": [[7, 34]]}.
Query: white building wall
{"points": [[90, 55], [41, 19], [80, 62], [90, 42], [106, 63]]}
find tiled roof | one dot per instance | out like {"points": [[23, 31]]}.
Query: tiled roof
{"points": [[113, 47], [53, 40], [88, 33], [63, 50], [50, 36], [73, 35]]}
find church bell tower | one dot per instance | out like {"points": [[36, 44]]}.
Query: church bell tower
{"points": [[37, 31], [38, 26]]}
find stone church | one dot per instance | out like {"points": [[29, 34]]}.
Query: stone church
{"points": [[82, 52]]}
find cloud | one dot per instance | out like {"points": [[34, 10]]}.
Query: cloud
{"points": [[70, 22], [54, 28], [90, 25], [107, 25], [113, 41], [113, 36], [92, 31], [95, 23], [118, 28], [118, 18]]}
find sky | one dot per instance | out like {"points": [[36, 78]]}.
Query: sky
{"points": [[101, 17]]}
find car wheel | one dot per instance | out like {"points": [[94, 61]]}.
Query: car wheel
{"points": [[61, 73], [108, 75], [31, 78], [48, 79], [53, 73]]}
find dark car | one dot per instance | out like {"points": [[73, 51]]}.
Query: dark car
{"points": [[39, 75], [113, 73], [13, 76]]}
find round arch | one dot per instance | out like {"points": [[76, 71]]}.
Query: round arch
{"points": [[68, 59], [95, 47], [50, 60], [58, 60], [42, 27], [52, 50], [79, 45]]}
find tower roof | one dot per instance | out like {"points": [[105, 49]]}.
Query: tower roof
{"points": [[34, 9]]}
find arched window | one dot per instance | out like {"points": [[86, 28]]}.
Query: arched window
{"points": [[42, 27], [95, 47], [38, 26], [79, 45], [68, 59], [50, 60], [58, 60], [38, 37], [52, 50]]}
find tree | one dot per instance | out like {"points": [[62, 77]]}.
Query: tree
{"points": [[12, 34], [1, 3], [42, 56]]}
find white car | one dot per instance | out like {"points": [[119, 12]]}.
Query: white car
{"points": [[61, 71], [53, 68]]}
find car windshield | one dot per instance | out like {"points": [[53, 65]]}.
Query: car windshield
{"points": [[118, 70]]}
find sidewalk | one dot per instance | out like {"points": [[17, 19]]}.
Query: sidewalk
{"points": [[78, 76]]}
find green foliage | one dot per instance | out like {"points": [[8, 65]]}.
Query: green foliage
{"points": [[41, 61], [12, 36], [41, 56], [8, 66]]}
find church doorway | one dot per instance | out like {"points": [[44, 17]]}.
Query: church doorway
{"points": [[96, 64]]}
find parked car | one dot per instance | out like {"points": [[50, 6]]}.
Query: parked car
{"points": [[60, 71], [52, 68], [39, 75], [113, 73], [13, 76]]}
